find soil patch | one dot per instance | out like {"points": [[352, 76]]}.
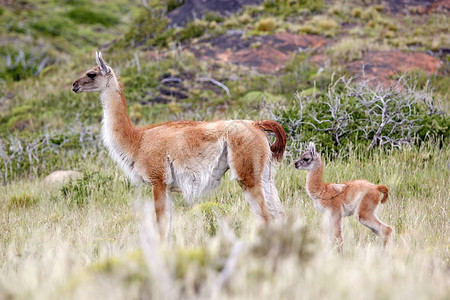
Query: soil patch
{"points": [[383, 65], [268, 54]]}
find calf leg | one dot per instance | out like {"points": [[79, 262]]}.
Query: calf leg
{"points": [[335, 224], [366, 216], [377, 227]]}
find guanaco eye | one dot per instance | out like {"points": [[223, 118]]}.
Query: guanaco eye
{"points": [[306, 159], [91, 75]]}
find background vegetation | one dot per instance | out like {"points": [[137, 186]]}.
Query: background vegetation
{"points": [[90, 237]]}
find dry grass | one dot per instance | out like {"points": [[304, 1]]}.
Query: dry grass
{"points": [[266, 24], [53, 249]]}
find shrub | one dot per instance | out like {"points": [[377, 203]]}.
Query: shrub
{"points": [[211, 16], [173, 4], [358, 114], [283, 7], [266, 24], [308, 29], [148, 28], [87, 15], [356, 12], [326, 24], [191, 30], [349, 49], [22, 201], [245, 19], [53, 26], [31, 156], [18, 62], [320, 25], [89, 188]]}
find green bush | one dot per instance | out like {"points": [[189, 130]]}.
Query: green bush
{"points": [[53, 26], [149, 27], [173, 4], [191, 30], [87, 15], [357, 114], [18, 62], [266, 24], [212, 16], [289, 7], [90, 188]]}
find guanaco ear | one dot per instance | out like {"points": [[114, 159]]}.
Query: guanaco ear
{"points": [[312, 148], [101, 63]]}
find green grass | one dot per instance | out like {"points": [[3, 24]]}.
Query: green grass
{"points": [[49, 249]]}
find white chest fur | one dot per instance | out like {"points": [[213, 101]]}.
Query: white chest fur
{"points": [[316, 201], [115, 149], [119, 155]]}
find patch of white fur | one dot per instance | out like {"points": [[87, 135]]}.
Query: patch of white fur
{"points": [[339, 187], [349, 209], [316, 201], [270, 193], [199, 176], [118, 154], [253, 205]]}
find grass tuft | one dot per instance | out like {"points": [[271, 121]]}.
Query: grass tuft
{"points": [[266, 24], [22, 201]]}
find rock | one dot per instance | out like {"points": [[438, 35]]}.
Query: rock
{"points": [[62, 176]]}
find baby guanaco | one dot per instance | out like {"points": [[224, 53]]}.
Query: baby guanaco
{"points": [[358, 197]]}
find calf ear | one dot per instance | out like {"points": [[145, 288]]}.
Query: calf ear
{"points": [[312, 148], [101, 63]]}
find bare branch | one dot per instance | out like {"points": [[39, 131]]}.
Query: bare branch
{"points": [[213, 81]]}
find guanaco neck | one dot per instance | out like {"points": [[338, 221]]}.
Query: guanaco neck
{"points": [[314, 181], [118, 131]]}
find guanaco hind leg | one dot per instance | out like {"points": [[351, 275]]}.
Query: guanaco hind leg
{"points": [[160, 198], [366, 216], [255, 197], [249, 172]]}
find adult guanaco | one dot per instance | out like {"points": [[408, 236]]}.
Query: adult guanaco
{"points": [[359, 197], [187, 156]]}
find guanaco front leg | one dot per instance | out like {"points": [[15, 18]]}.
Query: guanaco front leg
{"points": [[336, 228]]}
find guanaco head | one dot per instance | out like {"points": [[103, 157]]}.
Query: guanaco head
{"points": [[95, 79], [309, 159]]}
